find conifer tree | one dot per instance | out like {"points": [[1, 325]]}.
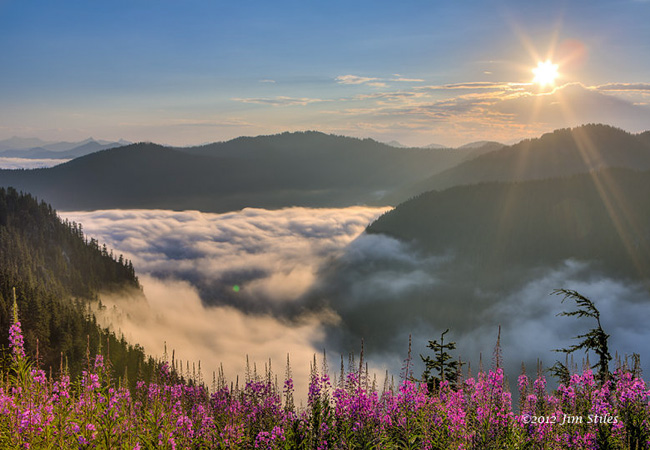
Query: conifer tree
{"points": [[595, 339], [443, 363]]}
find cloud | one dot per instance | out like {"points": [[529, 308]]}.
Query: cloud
{"points": [[495, 110], [280, 101], [385, 291], [625, 87], [267, 81], [174, 316], [375, 82], [188, 262], [574, 104], [407, 80], [531, 328], [28, 163], [310, 280], [479, 85], [273, 256], [354, 79]]}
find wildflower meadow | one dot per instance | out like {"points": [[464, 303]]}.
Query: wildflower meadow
{"points": [[174, 411]]}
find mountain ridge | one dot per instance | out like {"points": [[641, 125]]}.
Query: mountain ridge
{"points": [[288, 169], [562, 152], [60, 150]]}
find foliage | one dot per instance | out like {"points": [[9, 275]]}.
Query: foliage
{"points": [[595, 339]]}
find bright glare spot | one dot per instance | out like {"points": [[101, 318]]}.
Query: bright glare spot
{"points": [[545, 73]]}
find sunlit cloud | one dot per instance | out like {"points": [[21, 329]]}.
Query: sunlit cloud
{"points": [[174, 318], [478, 85], [272, 256], [190, 261], [408, 80], [586, 105], [495, 110], [317, 261], [354, 79]]}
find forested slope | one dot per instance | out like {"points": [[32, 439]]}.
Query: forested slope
{"points": [[601, 216], [56, 271]]}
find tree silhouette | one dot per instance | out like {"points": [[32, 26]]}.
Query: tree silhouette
{"points": [[595, 339], [446, 367]]}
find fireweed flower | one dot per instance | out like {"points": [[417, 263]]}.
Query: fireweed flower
{"points": [[41, 412], [16, 342]]}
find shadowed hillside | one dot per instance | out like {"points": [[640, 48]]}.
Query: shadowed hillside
{"points": [[290, 169], [599, 216]]}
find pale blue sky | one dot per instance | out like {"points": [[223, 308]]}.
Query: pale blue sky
{"points": [[200, 71]]}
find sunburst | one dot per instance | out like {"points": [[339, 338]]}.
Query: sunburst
{"points": [[545, 73]]}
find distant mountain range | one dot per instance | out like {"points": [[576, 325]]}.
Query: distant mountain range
{"points": [[310, 169], [471, 145], [32, 148], [303, 169]]}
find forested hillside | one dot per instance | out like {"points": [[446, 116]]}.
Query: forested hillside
{"points": [[601, 216], [55, 271], [290, 169]]}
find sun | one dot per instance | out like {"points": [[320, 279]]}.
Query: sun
{"points": [[545, 73]]}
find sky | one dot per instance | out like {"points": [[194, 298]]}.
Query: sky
{"points": [[420, 72]]}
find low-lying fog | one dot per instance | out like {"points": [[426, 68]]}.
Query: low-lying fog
{"points": [[29, 163], [266, 283]]}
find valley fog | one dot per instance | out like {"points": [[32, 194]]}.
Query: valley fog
{"points": [[266, 283]]}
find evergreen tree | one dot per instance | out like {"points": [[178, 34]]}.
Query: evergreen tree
{"points": [[443, 364], [595, 339]]}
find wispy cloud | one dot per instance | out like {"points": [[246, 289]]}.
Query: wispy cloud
{"points": [[633, 87], [497, 110], [354, 79], [281, 101], [207, 123], [479, 85], [375, 82], [407, 80]]}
